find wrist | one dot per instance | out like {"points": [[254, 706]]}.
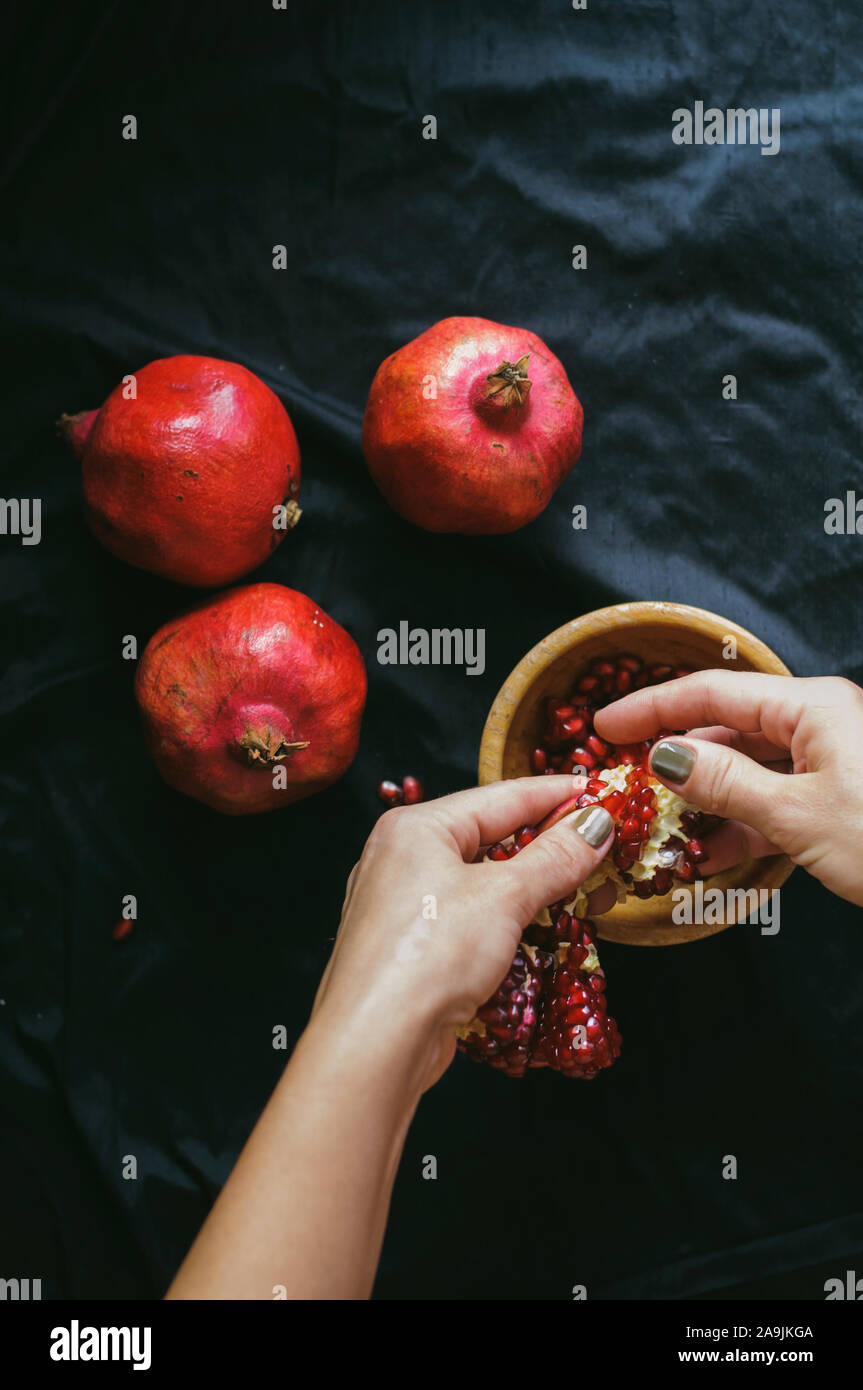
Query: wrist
{"points": [[362, 1045]]}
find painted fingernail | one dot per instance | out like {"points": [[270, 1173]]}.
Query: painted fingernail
{"points": [[594, 823], [674, 761]]}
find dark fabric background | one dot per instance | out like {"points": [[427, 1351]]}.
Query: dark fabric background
{"points": [[259, 127]]}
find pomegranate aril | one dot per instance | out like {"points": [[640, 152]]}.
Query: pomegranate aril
{"points": [[587, 799], [629, 663], [497, 853], [661, 673], [587, 683], [597, 746], [524, 837], [412, 791], [623, 681], [643, 889], [662, 881], [583, 758], [558, 713], [390, 793], [539, 760], [696, 852], [574, 727], [631, 829]]}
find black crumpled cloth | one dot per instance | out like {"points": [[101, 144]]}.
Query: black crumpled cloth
{"points": [[303, 127]]}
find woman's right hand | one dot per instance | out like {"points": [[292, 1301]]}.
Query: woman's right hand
{"points": [[746, 733]]}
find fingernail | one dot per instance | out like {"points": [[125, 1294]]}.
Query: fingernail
{"points": [[673, 761], [594, 823]]}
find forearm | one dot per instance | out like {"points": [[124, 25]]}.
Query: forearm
{"points": [[306, 1205]]}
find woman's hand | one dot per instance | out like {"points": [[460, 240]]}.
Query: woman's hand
{"points": [[426, 933], [746, 733], [426, 936]]}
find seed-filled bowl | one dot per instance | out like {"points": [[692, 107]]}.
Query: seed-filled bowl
{"points": [[659, 634]]}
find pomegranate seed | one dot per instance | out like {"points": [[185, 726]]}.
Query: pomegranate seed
{"points": [[412, 791], [497, 853], [597, 746], [587, 683], [643, 889], [586, 799], [631, 829], [538, 760], [574, 727], [391, 793], [662, 881], [629, 663], [623, 681], [583, 758], [686, 871], [660, 673], [524, 836], [696, 851], [122, 929]]}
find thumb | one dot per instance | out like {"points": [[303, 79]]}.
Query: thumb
{"points": [[560, 858], [722, 781]]}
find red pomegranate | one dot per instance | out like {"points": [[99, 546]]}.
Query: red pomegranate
{"points": [[195, 477], [471, 427], [252, 700]]}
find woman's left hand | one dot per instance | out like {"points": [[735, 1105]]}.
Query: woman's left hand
{"points": [[427, 934]]}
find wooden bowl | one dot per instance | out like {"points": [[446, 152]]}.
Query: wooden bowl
{"points": [[657, 632]]}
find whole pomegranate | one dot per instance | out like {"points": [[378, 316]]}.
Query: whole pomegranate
{"points": [[252, 700], [471, 427], [186, 477]]}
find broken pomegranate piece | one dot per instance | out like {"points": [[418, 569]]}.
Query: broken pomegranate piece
{"points": [[550, 1011], [576, 1035], [503, 1031]]}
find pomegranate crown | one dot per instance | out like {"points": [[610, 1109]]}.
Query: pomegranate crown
{"points": [[512, 379]]}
